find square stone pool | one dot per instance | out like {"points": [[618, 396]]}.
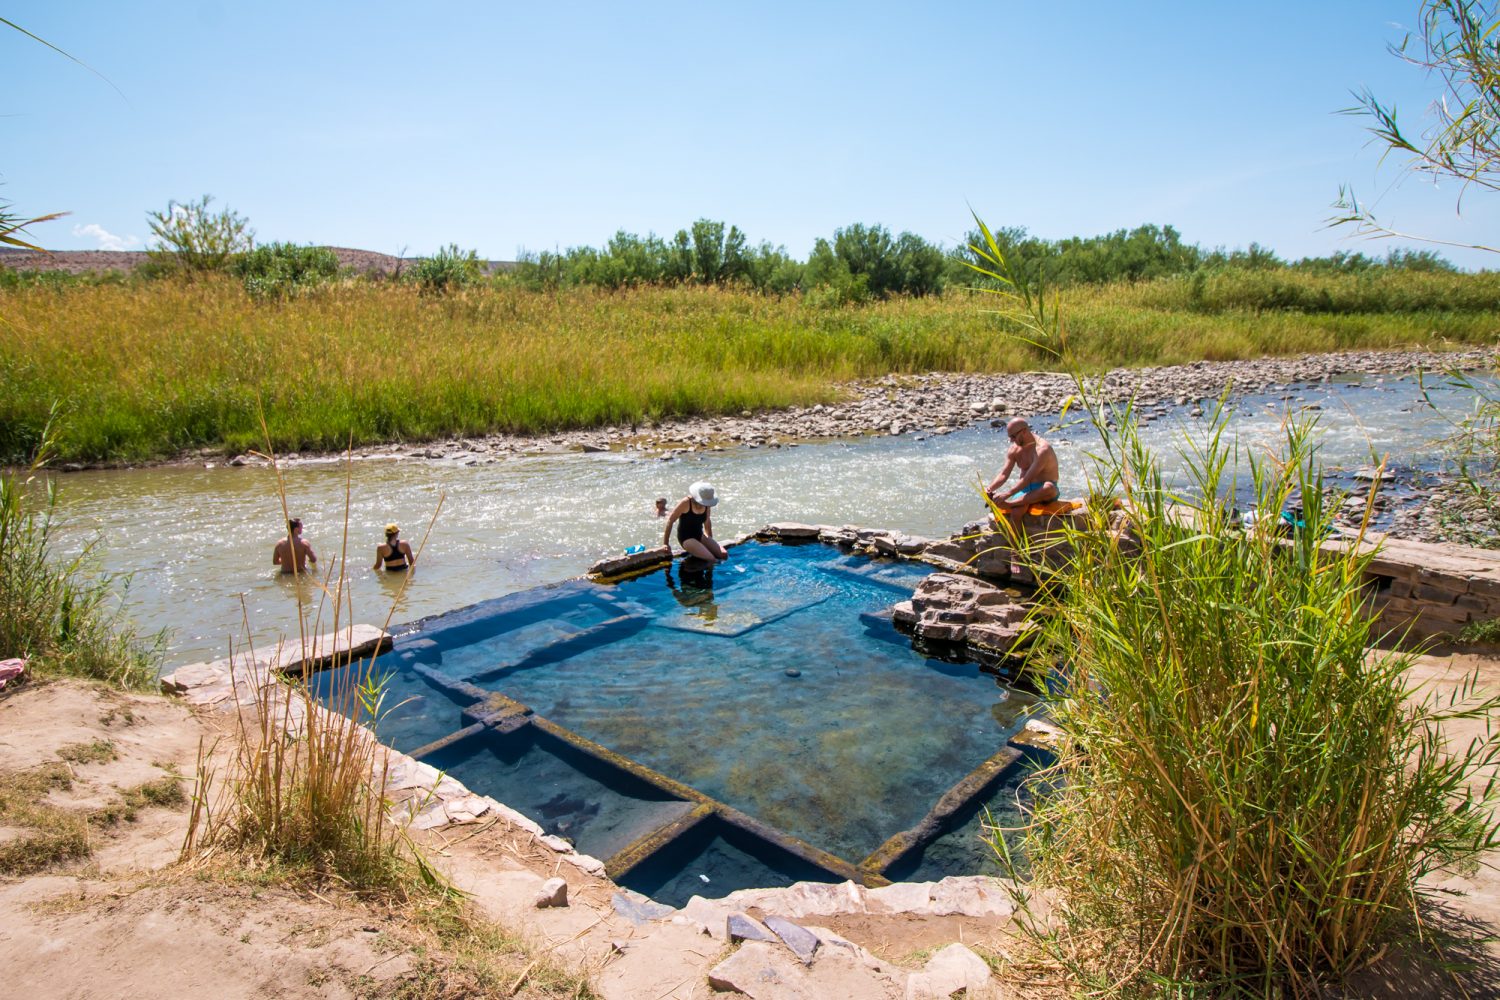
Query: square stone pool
{"points": [[750, 724]]}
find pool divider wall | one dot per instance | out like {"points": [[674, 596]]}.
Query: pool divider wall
{"points": [[610, 630], [461, 691], [439, 745], [506, 716], [974, 785], [488, 619], [628, 858]]}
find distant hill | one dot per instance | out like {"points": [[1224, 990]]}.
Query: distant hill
{"points": [[85, 261]]}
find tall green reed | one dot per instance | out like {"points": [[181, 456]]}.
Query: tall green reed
{"points": [[1472, 456], [1247, 795]]}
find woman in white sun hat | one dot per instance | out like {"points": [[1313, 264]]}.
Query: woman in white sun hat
{"points": [[695, 526]]}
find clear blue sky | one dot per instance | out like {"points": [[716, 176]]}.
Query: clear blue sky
{"points": [[503, 126]]}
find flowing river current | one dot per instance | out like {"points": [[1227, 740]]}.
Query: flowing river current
{"points": [[196, 542]]}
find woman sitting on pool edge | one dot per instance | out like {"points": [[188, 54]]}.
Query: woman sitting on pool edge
{"points": [[394, 554], [695, 526]]}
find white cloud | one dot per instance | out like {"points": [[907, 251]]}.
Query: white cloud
{"points": [[107, 240]]}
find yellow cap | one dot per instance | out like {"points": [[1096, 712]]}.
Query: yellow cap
{"points": [[392, 528]]}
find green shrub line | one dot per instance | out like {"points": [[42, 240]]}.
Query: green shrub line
{"points": [[145, 370]]}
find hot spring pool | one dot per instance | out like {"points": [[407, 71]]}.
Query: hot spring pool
{"points": [[749, 725]]}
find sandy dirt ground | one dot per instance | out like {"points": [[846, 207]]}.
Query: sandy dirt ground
{"points": [[129, 921]]}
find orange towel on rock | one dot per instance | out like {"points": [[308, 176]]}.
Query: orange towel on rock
{"points": [[1053, 507]]}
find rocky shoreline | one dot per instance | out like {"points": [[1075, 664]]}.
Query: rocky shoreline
{"points": [[936, 403]]}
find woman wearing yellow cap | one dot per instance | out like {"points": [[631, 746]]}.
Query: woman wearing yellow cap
{"points": [[394, 554]]}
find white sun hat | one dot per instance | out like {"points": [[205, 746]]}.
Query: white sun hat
{"points": [[703, 493]]}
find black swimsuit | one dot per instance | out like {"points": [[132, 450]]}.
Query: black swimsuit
{"points": [[397, 556], [690, 525]]}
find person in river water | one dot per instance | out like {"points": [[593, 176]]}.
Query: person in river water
{"points": [[695, 527], [394, 554], [1037, 462], [293, 544]]}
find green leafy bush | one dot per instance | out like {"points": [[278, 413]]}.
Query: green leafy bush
{"points": [[193, 239], [448, 270], [277, 270]]}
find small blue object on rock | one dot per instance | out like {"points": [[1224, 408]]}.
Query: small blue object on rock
{"points": [[633, 549]]}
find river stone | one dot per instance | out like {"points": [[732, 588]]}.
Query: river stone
{"points": [[709, 915], [803, 942], [792, 672], [554, 892], [950, 970], [631, 561]]}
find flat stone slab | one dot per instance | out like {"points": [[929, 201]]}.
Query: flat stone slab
{"points": [[790, 529], [768, 972], [638, 909], [287, 655], [802, 942], [956, 895], [743, 927], [631, 562]]}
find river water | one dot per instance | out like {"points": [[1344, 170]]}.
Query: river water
{"points": [[196, 542]]}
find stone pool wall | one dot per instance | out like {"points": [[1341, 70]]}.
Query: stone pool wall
{"points": [[1418, 590], [1423, 590]]}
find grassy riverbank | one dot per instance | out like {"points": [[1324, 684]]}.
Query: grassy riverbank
{"points": [[145, 370]]}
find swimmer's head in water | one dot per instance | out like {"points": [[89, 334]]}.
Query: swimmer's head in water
{"points": [[392, 529]]}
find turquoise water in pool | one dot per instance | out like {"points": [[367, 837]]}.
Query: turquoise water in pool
{"points": [[855, 748], [775, 683]]}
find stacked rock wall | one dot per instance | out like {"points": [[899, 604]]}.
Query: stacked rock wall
{"points": [[1426, 590], [981, 548]]}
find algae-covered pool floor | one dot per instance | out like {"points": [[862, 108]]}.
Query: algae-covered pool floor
{"points": [[774, 683]]}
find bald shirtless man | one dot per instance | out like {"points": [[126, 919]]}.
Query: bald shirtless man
{"points": [[1038, 464]]}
